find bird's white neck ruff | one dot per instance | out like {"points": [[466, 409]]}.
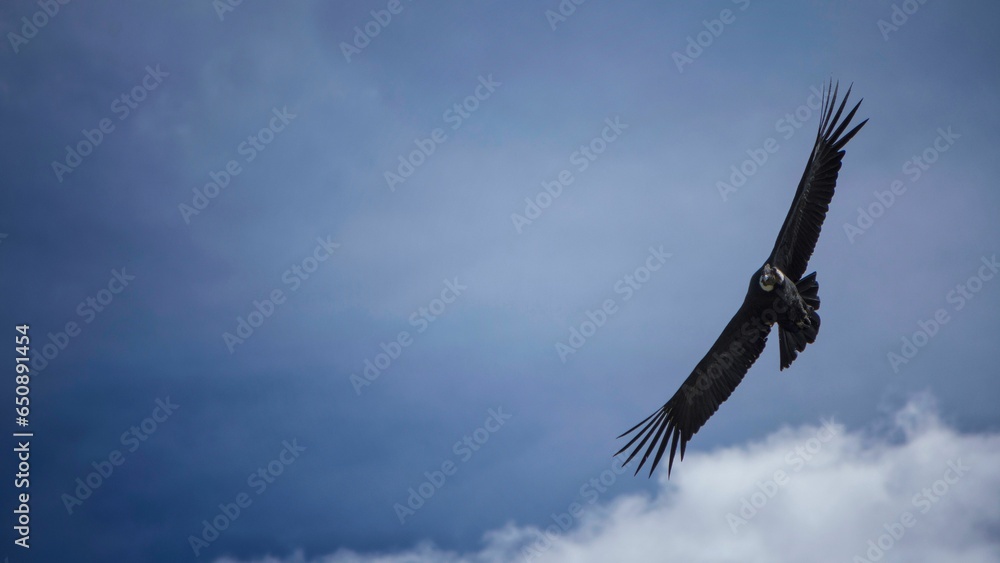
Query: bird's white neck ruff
{"points": [[770, 287]]}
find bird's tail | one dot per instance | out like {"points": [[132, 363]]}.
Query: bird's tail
{"points": [[808, 289], [791, 343]]}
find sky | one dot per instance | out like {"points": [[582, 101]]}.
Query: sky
{"points": [[383, 281]]}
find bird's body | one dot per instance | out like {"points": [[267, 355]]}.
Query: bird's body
{"points": [[778, 294], [792, 305]]}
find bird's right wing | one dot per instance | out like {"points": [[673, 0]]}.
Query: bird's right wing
{"points": [[713, 380], [800, 231]]}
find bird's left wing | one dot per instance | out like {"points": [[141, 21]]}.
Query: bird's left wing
{"points": [[797, 238], [713, 380]]}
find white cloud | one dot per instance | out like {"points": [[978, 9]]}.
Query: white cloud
{"points": [[917, 491]]}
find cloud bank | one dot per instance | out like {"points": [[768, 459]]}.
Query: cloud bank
{"points": [[914, 490]]}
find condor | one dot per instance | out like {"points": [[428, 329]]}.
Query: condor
{"points": [[778, 294]]}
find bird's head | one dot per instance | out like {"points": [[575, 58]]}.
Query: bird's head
{"points": [[771, 277]]}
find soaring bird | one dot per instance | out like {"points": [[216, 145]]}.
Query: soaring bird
{"points": [[778, 293]]}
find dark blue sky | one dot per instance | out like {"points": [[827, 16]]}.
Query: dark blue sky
{"points": [[308, 260]]}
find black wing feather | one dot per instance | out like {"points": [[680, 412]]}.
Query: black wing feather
{"points": [[709, 385], [800, 231]]}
